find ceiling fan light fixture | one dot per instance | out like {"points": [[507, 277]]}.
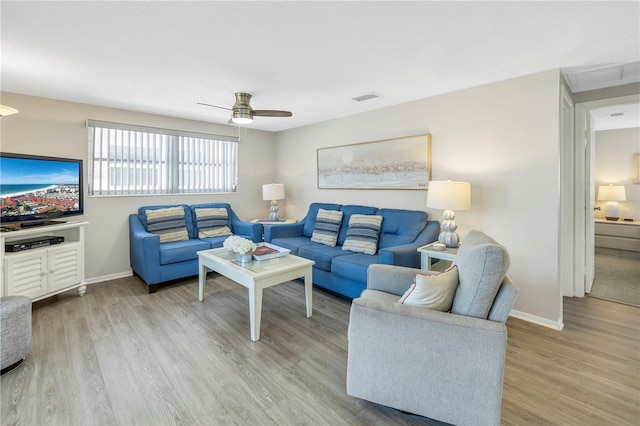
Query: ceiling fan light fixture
{"points": [[242, 116], [7, 110]]}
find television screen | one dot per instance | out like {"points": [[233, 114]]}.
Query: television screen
{"points": [[33, 187]]}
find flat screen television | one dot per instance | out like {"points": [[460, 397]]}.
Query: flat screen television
{"points": [[35, 189]]}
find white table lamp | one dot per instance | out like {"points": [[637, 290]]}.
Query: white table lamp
{"points": [[273, 192], [612, 194], [449, 196]]}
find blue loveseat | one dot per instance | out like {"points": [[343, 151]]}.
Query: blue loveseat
{"points": [[342, 271], [157, 262]]}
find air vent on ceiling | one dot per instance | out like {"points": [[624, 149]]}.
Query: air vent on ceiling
{"points": [[365, 97], [593, 77], [616, 114]]}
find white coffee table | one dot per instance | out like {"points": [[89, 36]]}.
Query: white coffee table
{"points": [[256, 276]]}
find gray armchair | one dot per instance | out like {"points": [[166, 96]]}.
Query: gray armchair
{"points": [[447, 366]]}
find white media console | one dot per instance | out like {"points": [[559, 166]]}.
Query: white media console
{"points": [[44, 271]]}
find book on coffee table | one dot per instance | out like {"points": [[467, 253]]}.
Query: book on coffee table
{"points": [[266, 251]]}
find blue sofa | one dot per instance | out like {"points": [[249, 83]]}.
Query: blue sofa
{"points": [[157, 262], [345, 272]]}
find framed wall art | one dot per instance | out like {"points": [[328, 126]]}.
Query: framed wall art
{"points": [[401, 163]]}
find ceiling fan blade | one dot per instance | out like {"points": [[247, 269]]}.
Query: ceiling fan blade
{"points": [[271, 113], [215, 106]]}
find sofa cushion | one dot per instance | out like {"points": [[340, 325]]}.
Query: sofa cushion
{"points": [[168, 223], [363, 233], [400, 226], [321, 254], [353, 266], [212, 221], [215, 242], [181, 251], [292, 243], [349, 210], [482, 265], [312, 214], [327, 227], [433, 291]]}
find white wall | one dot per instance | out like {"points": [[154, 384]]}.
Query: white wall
{"points": [[58, 128], [501, 137], [614, 153]]}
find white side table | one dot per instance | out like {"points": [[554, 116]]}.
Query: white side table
{"points": [[427, 253]]}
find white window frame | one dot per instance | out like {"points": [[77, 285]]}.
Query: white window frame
{"points": [[152, 161]]}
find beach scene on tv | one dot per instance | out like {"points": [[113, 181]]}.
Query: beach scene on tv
{"points": [[37, 187]]}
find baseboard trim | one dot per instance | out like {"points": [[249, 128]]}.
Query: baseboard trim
{"points": [[109, 277], [559, 325]]}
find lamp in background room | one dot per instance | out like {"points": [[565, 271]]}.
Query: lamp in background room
{"points": [[449, 196], [273, 192], [7, 110], [612, 194]]}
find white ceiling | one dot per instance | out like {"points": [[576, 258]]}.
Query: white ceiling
{"points": [[310, 58]]}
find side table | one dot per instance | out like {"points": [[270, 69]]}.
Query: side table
{"points": [[427, 253]]}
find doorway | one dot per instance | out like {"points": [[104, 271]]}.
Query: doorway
{"points": [[584, 239]]}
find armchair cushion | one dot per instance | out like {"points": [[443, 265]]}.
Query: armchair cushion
{"points": [[482, 265], [168, 223], [433, 291], [363, 233]]}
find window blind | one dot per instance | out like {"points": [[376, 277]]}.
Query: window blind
{"points": [[137, 160]]}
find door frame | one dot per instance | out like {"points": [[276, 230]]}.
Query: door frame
{"points": [[584, 204]]}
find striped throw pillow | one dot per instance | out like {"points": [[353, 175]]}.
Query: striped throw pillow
{"points": [[363, 233], [327, 227], [212, 222], [168, 223]]}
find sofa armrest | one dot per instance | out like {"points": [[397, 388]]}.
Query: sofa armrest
{"points": [[144, 251], [392, 279], [404, 255], [446, 366], [287, 230], [407, 254], [252, 230]]}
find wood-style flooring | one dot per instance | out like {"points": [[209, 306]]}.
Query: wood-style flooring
{"points": [[120, 356]]}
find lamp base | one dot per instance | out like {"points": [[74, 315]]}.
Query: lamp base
{"points": [[273, 211], [448, 236], [612, 211], [449, 239]]}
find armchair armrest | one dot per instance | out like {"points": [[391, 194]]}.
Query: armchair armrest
{"points": [[392, 279], [287, 230]]}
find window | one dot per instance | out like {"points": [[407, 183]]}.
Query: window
{"points": [[134, 160]]}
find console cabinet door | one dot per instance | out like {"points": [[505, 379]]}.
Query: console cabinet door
{"points": [[65, 266], [27, 274]]}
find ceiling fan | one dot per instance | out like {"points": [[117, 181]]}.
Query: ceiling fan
{"points": [[243, 113]]}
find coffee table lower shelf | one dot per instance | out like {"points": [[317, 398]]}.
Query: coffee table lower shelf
{"points": [[256, 276]]}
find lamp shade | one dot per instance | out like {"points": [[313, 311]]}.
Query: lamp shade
{"points": [[449, 195], [612, 193], [273, 191]]}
